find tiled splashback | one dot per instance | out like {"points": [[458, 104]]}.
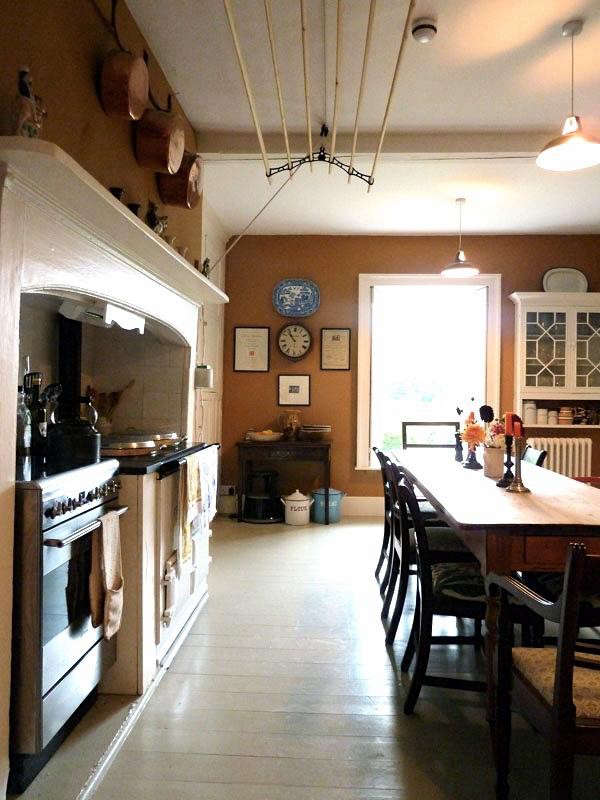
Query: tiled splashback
{"points": [[157, 400]]}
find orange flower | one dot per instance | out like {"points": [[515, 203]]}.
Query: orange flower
{"points": [[473, 434]]}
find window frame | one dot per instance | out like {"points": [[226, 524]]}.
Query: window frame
{"points": [[366, 283]]}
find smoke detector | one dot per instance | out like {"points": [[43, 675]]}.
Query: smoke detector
{"points": [[424, 30]]}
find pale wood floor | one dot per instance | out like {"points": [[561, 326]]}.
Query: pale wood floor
{"points": [[284, 691]]}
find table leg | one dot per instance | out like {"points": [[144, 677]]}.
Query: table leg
{"points": [[241, 485], [327, 487], [491, 644]]}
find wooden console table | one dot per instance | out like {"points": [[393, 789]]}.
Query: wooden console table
{"points": [[250, 452]]}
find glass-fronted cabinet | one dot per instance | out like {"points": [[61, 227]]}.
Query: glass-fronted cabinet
{"points": [[557, 347]]}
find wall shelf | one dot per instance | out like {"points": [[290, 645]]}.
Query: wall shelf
{"points": [[566, 427], [46, 174]]}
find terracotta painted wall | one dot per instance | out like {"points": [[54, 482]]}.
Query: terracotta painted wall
{"points": [[256, 264], [63, 43]]}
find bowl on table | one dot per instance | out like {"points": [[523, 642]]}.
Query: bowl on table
{"points": [[264, 436]]}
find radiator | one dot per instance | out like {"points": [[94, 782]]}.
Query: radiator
{"points": [[572, 457]]}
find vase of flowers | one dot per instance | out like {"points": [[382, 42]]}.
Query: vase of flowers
{"points": [[473, 435], [493, 453]]}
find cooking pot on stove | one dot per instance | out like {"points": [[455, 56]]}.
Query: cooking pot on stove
{"points": [[73, 441]]}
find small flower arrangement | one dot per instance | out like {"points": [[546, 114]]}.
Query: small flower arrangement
{"points": [[473, 433], [495, 435]]}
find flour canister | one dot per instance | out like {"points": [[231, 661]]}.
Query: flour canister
{"points": [[297, 508]]}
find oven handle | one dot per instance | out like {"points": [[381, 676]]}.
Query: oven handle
{"points": [[83, 531]]}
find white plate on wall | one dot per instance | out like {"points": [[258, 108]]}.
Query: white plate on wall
{"points": [[564, 279]]}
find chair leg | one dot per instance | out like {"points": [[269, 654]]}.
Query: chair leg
{"points": [[388, 570], [413, 637], [423, 648], [400, 599], [384, 547], [561, 770], [395, 567]]}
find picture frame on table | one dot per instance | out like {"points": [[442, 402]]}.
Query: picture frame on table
{"points": [[251, 348], [335, 349], [293, 390]]}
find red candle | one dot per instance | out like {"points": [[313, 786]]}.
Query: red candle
{"points": [[518, 428], [509, 423]]}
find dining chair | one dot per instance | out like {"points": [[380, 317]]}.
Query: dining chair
{"points": [[533, 456], [387, 505], [410, 440], [556, 688], [444, 545]]}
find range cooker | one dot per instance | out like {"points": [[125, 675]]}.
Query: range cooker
{"points": [[58, 656]]}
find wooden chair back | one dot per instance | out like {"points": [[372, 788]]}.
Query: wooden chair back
{"points": [[410, 517], [453, 428]]}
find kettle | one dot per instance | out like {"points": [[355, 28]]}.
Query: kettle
{"points": [[74, 442], [297, 508]]}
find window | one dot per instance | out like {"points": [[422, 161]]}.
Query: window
{"points": [[425, 345]]}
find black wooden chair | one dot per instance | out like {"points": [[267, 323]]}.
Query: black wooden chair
{"points": [[557, 689], [444, 545], [387, 522], [533, 456], [447, 587]]}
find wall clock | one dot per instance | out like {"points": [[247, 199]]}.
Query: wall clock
{"points": [[294, 341], [296, 297]]}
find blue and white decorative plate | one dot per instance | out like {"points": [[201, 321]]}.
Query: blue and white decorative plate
{"points": [[296, 297]]}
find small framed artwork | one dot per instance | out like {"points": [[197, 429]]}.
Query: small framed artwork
{"points": [[335, 348], [293, 390], [251, 349]]}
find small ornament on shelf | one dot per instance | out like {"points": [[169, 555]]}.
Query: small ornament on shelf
{"points": [[29, 110]]}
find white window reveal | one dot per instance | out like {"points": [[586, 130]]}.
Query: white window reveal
{"points": [[426, 344]]}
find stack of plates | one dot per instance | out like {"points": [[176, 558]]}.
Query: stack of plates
{"points": [[313, 433]]}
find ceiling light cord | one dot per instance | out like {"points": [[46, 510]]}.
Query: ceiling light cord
{"points": [[572, 75]]}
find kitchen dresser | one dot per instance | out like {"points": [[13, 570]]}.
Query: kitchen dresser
{"points": [[557, 347]]}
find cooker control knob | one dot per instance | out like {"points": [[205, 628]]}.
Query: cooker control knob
{"points": [[64, 507], [89, 497], [96, 493], [51, 512], [103, 491]]}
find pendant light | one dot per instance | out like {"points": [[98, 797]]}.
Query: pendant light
{"points": [[572, 149], [460, 267]]}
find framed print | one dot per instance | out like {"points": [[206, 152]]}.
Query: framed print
{"points": [[335, 348], [251, 349], [293, 390]]}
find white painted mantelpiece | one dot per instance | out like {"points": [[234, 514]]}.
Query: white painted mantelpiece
{"points": [[63, 233]]}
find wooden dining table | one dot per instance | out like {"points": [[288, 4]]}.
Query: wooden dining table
{"points": [[506, 531]]}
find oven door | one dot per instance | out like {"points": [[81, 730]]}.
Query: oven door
{"points": [[67, 631]]}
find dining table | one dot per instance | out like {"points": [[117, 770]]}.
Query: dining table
{"points": [[506, 531]]}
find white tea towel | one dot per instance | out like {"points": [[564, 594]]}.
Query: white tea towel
{"points": [[106, 575]]}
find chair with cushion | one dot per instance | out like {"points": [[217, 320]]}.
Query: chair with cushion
{"points": [[444, 545], [556, 688], [446, 588], [533, 456]]}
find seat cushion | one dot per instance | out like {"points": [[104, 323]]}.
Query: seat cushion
{"points": [[458, 581], [445, 540], [537, 665]]}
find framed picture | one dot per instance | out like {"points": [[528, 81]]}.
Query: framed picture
{"points": [[251, 349], [293, 390], [335, 348]]}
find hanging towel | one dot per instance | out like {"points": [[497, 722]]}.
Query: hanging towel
{"points": [[190, 506], [106, 576]]}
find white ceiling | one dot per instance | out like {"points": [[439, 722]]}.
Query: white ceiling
{"points": [[495, 66]]}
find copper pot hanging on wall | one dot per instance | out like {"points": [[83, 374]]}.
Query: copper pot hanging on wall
{"points": [[124, 85], [159, 141], [185, 187]]}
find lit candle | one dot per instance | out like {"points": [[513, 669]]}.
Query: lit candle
{"points": [[509, 423]]}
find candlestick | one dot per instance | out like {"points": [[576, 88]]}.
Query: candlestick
{"points": [[508, 476], [517, 484]]}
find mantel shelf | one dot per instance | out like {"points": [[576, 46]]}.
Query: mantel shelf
{"points": [[45, 173]]}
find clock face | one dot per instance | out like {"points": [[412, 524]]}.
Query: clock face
{"points": [[294, 341]]}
